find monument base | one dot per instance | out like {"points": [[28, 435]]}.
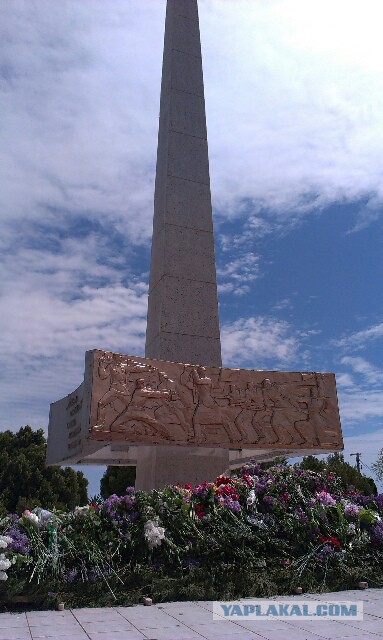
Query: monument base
{"points": [[159, 466]]}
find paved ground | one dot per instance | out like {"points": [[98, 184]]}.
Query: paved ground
{"points": [[184, 620]]}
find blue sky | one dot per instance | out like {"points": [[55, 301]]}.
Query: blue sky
{"points": [[294, 99]]}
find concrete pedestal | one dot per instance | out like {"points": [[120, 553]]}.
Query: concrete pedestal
{"points": [[160, 466]]}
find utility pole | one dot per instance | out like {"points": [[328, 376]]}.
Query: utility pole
{"points": [[357, 458]]}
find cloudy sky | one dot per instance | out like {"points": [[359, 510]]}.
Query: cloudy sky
{"points": [[294, 98]]}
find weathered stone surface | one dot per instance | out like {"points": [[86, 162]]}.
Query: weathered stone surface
{"points": [[198, 319], [187, 115], [187, 205], [183, 303], [184, 253], [159, 466], [180, 346]]}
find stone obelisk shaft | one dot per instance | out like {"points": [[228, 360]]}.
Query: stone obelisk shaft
{"points": [[183, 323]]}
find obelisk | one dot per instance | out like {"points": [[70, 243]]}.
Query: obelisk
{"points": [[183, 323], [173, 419]]}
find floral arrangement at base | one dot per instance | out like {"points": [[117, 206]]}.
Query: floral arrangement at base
{"points": [[260, 533]]}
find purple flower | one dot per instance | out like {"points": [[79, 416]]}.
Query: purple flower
{"points": [[110, 506], [128, 501], [202, 490], [351, 510], [326, 552], [377, 533], [229, 503], [252, 470], [326, 498], [300, 515], [269, 500], [20, 541]]}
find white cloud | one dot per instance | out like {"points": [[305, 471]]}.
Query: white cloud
{"points": [[307, 107], [55, 306], [360, 338], [344, 381], [371, 374], [234, 276], [282, 304], [294, 114], [358, 405], [360, 392], [80, 90], [233, 288], [259, 342]]}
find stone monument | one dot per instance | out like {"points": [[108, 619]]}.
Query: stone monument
{"points": [[176, 414]]}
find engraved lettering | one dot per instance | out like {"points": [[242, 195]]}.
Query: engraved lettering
{"points": [[75, 432], [73, 445], [76, 409], [72, 401]]}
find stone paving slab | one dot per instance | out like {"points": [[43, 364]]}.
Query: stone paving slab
{"points": [[192, 620]]}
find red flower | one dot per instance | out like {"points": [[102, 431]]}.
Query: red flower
{"points": [[331, 540], [227, 490], [188, 486], [285, 496], [222, 480], [200, 510], [248, 479]]}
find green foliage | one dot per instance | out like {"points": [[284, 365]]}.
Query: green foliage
{"points": [[25, 481], [349, 475], [116, 479], [377, 467], [262, 533]]}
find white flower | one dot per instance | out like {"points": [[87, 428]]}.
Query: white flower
{"points": [[81, 510], [3, 576], [251, 498], [351, 529], [4, 562], [31, 516], [43, 514], [5, 541], [153, 534]]}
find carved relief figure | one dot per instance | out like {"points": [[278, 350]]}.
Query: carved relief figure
{"points": [[141, 409], [184, 404], [254, 418], [285, 412], [316, 427], [121, 386], [180, 405], [109, 366], [207, 411]]}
